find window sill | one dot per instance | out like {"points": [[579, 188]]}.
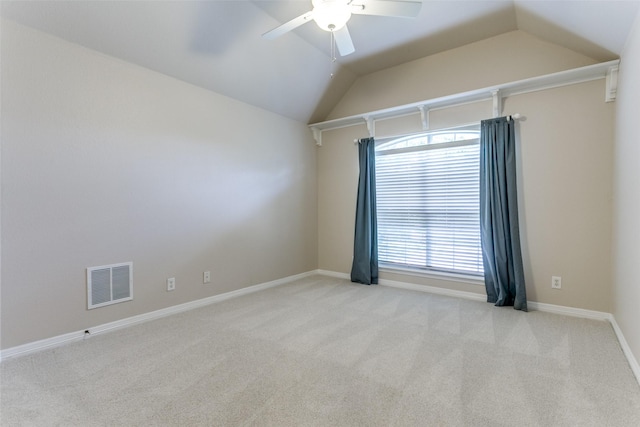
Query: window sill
{"points": [[431, 274]]}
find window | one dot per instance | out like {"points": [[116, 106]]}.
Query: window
{"points": [[428, 202]]}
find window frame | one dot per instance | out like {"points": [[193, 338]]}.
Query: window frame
{"points": [[429, 272]]}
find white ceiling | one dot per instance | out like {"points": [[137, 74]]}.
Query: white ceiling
{"points": [[216, 44]]}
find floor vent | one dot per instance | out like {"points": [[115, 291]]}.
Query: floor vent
{"points": [[109, 284]]}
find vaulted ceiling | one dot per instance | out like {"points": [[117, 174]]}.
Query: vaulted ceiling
{"points": [[217, 44]]}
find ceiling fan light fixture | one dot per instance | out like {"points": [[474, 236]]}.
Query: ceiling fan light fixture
{"points": [[331, 15]]}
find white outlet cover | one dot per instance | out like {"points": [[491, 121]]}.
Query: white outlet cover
{"points": [[171, 284]]}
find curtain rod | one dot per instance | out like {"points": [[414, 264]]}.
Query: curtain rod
{"points": [[608, 70]]}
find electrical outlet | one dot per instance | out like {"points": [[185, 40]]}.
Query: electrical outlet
{"points": [[556, 282], [206, 277], [171, 284]]}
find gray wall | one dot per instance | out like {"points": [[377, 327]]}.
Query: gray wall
{"points": [[106, 162], [565, 156]]}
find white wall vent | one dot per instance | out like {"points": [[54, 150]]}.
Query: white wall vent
{"points": [[109, 284]]}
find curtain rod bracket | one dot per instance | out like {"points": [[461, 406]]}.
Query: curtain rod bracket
{"points": [[317, 135], [612, 84], [497, 102], [371, 125], [424, 115]]}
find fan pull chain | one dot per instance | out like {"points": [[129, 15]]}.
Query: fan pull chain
{"points": [[333, 53]]}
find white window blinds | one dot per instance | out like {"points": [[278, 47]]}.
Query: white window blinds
{"points": [[428, 202]]}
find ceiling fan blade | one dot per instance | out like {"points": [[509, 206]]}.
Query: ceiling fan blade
{"points": [[343, 41], [400, 8], [288, 26]]}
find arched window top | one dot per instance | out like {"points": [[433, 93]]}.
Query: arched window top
{"points": [[430, 138]]}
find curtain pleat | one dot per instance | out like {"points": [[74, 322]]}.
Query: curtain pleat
{"points": [[499, 228], [365, 246]]}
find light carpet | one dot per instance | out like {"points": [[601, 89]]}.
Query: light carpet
{"points": [[325, 352]]}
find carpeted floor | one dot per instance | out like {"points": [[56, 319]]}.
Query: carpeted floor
{"points": [[326, 352]]}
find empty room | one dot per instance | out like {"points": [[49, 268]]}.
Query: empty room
{"points": [[319, 213]]}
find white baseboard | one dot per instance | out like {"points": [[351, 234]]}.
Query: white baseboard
{"points": [[412, 286], [59, 340], [433, 290], [633, 362], [549, 308], [333, 274], [568, 311]]}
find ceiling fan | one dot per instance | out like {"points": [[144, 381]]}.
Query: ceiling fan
{"points": [[332, 16]]}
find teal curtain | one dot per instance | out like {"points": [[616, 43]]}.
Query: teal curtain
{"points": [[365, 245], [499, 229]]}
